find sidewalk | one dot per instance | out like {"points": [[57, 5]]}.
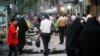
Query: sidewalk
{"points": [[43, 55], [53, 45]]}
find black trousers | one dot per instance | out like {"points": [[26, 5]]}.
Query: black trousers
{"points": [[21, 38], [61, 33], [21, 46], [46, 40], [13, 49]]}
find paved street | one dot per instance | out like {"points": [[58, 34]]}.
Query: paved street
{"points": [[53, 45], [38, 55], [23, 21], [43, 55]]}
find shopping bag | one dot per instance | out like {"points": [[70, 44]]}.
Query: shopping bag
{"points": [[37, 43]]}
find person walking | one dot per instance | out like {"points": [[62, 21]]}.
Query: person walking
{"points": [[23, 27], [72, 40], [45, 28], [90, 38], [88, 16], [61, 28], [12, 39]]}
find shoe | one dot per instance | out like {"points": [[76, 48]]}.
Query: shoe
{"points": [[60, 43], [45, 54], [20, 53]]}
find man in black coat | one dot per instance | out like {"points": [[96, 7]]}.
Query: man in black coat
{"points": [[72, 40], [21, 34], [90, 38]]}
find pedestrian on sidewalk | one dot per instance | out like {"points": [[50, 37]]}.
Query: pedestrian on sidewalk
{"points": [[61, 28], [45, 29], [67, 22], [12, 39], [90, 38], [72, 40], [55, 26], [88, 16], [23, 27]]}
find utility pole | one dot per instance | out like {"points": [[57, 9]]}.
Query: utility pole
{"points": [[81, 3]]}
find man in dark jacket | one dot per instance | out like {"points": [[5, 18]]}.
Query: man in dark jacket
{"points": [[72, 40], [90, 38], [21, 34]]}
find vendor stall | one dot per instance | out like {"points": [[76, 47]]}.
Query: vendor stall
{"points": [[3, 26]]}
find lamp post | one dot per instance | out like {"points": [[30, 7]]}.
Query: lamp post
{"points": [[11, 8], [81, 3], [69, 8]]}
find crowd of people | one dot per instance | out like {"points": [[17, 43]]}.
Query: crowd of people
{"points": [[82, 32], [83, 36]]}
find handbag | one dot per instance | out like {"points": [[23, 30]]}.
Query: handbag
{"points": [[37, 43]]}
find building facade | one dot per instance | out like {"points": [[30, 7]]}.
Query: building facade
{"points": [[93, 6]]}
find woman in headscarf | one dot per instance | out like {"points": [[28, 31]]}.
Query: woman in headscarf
{"points": [[72, 40], [90, 38]]}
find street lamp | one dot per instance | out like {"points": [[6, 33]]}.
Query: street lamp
{"points": [[62, 9], [80, 0], [69, 7], [11, 6]]}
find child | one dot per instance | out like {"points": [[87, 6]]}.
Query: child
{"points": [[12, 39]]}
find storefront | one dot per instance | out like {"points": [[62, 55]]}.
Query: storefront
{"points": [[3, 28]]}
